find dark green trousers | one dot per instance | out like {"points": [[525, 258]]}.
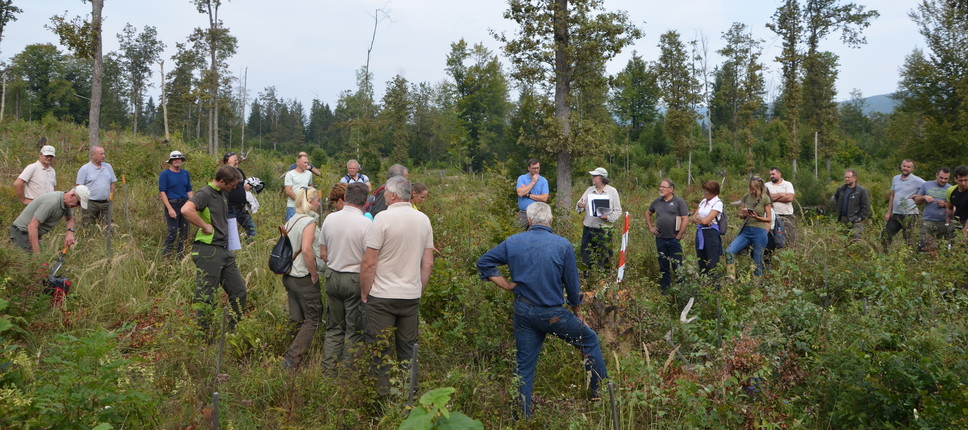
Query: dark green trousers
{"points": [[344, 317], [306, 308], [216, 266], [397, 319]]}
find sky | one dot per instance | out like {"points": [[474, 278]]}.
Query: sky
{"points": [[312, 48]]}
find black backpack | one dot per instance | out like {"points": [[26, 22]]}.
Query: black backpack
{"points": [[723, 222], [777, 233], [281, 256]]}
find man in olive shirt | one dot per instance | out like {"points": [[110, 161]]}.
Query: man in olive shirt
{"points": [[208, 211], [43, 214]]}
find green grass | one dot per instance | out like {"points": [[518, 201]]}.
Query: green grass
{"points": [[836, 336]]}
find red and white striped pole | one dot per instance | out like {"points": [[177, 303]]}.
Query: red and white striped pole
{"points": [[625, 243]]}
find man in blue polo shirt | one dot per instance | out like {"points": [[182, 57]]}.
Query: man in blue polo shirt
{"points": [[174, 189], [542, 264], [531, 187]]}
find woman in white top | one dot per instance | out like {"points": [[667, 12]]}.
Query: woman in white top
{"points": [[709, 242], [302, 281]]}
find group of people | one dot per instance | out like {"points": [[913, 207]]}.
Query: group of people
{"points": [[44, 207]]}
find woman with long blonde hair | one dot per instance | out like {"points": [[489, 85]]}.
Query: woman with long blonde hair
{"points": [[756, 211], [302, 281]]}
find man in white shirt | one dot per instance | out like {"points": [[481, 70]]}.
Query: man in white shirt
{"points": [[341, 245], [38, 178], [296, 179], [396, 268], [782, 195]]}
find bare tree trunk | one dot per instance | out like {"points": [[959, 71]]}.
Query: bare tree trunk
{"points": [[213, 118], [3, 95], [164, 101], [94, 115], [562, 110], [245, 78]]}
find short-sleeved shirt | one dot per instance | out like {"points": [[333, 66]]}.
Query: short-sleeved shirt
{"points": [[959, 199], [541, 187], [707, 206], [758, 206], [97, 179], [932, 212], [175, 185], [48, 209], [360, 178], [211, 206], [903, 190], [402, 234], [38, 180], [297, 181], [667, 213], [784, 187], [344, 235], [296, 225]]}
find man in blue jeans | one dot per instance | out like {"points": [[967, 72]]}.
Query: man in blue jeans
{"points": [[542, 264]]}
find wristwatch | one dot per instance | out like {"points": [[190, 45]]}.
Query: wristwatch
{"points": [[71, 230]]}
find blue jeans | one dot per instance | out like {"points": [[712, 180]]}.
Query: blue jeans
{"points": [[749, 236], [289, 213], [245, 221], [670, 257], [531, 324]]}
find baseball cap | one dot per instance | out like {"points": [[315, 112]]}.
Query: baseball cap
{"points": [[48, 150], [599, 171], [174, 155], [83, 194]]}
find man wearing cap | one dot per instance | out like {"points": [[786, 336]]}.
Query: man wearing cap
{"points": [[531, 187], [216, 265], [98, 176], [175, 188], [37, 178], [42, 215], [237, 200], [602, 207]]}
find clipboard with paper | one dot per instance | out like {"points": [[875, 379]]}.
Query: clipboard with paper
{"points": [[600, 205]]}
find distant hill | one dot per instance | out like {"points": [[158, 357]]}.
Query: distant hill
{"points": [[877, 104]]}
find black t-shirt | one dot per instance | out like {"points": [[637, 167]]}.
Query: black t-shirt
{"points": [[212, 208], [960, 201], [236, 196]]}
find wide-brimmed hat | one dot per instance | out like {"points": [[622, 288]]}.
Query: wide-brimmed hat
{"points": [[599, 171], [48, 150], [83, 194], [175, 155]]}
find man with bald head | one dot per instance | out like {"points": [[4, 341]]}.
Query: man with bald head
{"points": [[98, 176]]}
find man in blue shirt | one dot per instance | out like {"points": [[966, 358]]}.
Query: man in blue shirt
{"points": [[531, 187], [541, 264], [175, 188], [98, 176]]}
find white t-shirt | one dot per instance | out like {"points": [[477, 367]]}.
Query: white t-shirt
{"points": [[38, 180], [297, 181], [783, 187], [707, 206]]}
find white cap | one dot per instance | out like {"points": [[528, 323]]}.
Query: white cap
{"points": [[175, 154], [83, 194], [599, 171], [48, 150]]}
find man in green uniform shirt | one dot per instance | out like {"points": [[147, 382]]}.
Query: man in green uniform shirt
{"points": [[43, 214], [208, 211]]}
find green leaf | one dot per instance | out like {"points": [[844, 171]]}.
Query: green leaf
{"points": [[5, 324], [438, 397], [419, 419], [103, 426], [459, 421]]}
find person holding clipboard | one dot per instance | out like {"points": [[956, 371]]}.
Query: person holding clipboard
{"points": [[602, 207]]}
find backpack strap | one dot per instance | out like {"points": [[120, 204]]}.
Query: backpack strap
{"points": [[285, 232]]}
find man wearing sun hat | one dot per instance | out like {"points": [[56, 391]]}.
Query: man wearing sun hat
{"points": [[175, 188], [602, 207], [42, 215], [37, 178]]}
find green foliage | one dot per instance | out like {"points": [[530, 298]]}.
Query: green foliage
{"points": [[433, 414]]}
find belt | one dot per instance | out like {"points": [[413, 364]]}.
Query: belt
{"points": [[209, 244], [174, 200], [784, 215], [529, 302], [98, 201]]}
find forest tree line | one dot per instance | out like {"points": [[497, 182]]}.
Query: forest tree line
{"points": [[661, 111]]}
